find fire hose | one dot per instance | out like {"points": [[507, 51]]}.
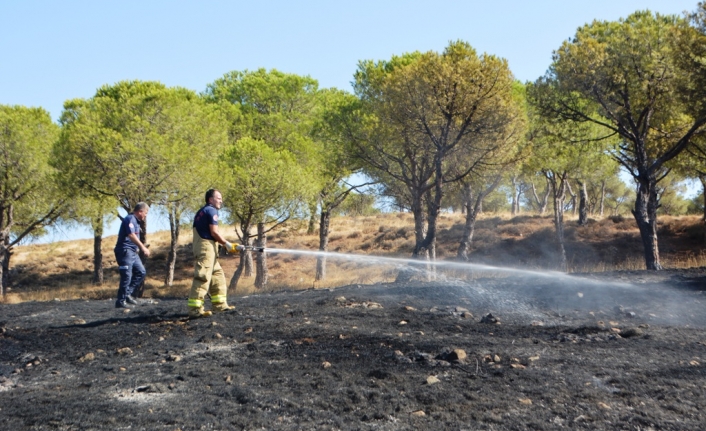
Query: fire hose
{"points": [[234, 248], [251, 248]]}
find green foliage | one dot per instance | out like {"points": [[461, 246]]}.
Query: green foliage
{"points": [[87, 209], [331, 135], [140, 141], [689, 54], [437, 103], [696, 205], [264, 184], [433, 118], [274, 107], [358, 204], [672, 200], [618, 196], [337, 161], [622, 76], [630, 78], [29, 198], [562, 142], [498, 200], [274, 161]]}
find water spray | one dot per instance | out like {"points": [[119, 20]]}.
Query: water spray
{"points": [[423, 264], [560, 292]]}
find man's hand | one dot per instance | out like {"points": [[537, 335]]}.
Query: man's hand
{"points": [[136, 240], [240, 247], [230, 248]]}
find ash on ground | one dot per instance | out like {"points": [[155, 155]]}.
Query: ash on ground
{"points": [[611, 351]]}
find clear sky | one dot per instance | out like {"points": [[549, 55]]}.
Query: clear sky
{"points": [[52, 51]]}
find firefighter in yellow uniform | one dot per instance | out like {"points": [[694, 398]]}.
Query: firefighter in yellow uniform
{"points": [[208, 274]]}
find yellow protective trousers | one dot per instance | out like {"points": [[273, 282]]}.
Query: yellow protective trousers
{"points": [[208, 277]]}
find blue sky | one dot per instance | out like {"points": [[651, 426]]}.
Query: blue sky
{"points": [[57, 50], [52, 51]]}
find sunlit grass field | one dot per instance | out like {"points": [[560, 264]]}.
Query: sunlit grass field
{"points": [[63, 270]]}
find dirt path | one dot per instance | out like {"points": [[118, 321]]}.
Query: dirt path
{"points": [[565, 354]]}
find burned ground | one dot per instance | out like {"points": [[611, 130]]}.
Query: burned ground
{"points": [[624, 350]]}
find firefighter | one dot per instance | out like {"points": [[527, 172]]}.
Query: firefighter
{"points": [[208, 274], [132, 271]]}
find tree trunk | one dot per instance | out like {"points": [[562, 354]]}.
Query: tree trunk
{"points": [[545, 198], [174, 217], [420, 228], [4, 261], [567, 187], [431, 269], [473, 209], [602, 205], [470, 224], [424, 227], [427, 249], [261, 259], [645, 213], [583, 204], [433, 200], [312, 220], [5, 267], [3, 272], [702, 178], [97, 250], [324, 225], [6, 225], [242, 264], [542, 202], [515, 197], [245, 266], [249, 267], [237, 274], [246, 256], [559, 195], [3, 286], [536, 197], [417, 209]]}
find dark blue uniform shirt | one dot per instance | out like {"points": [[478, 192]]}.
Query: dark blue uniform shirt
{"points": [[205, 217], [128, 226]]}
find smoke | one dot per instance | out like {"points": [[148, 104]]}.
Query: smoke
{"points": [[530, 297]]}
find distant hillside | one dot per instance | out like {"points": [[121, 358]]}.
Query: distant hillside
{"points": [[63, 269]]}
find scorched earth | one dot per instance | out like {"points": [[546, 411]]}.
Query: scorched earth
{"points": [[618, 351]]}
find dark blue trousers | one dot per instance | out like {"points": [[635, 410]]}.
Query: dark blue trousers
{"points": [[132, 272]]}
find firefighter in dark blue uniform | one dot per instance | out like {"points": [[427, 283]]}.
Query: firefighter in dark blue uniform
{"points": [[132, 271]]}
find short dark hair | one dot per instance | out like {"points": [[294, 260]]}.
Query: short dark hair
{"points": [[210, 193], [140, 206]]}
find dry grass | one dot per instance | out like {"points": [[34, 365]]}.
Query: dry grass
{"points": [[63, 270]]}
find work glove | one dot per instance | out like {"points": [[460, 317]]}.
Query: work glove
{"points": [[230, 248], [240, 247]]}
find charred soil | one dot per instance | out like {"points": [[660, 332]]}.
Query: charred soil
{"points": [[621, 350]]}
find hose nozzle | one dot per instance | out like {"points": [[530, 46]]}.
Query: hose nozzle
{"points": [[253, 248]]}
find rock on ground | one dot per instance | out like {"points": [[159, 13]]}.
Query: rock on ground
{"points": [[565, 353]]}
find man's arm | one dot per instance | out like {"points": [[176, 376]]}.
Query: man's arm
{"points": [[134, 238], [216, 235]]}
